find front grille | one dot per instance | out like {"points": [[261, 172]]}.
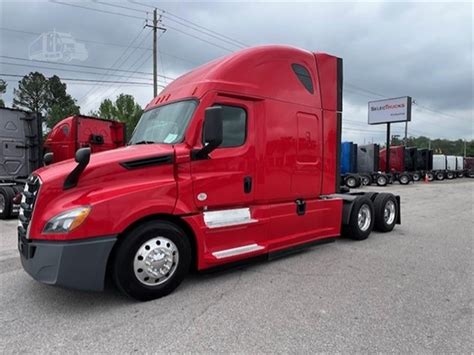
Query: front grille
{"points": [[29, 196]]}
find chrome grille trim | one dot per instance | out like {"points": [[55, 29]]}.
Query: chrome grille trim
{"points": [[28, 199]]}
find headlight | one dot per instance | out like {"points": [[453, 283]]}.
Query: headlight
{"points": [[67, 221]]}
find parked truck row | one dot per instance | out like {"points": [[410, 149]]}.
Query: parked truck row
{"points": [[23, 150], [366, 165]]}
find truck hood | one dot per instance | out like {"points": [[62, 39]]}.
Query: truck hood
{"points": [[106, 163]]}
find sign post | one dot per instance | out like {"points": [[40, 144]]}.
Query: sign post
{"points": [[389, 111]]}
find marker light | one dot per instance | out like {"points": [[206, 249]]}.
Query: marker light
{"points": [[67, 221]]}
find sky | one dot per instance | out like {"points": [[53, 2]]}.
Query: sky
{"points": [[390, 49]]}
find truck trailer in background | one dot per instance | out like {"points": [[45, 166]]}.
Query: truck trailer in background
{"points": [[398, 164], [349, 176], [22, 148], [368, 166]]}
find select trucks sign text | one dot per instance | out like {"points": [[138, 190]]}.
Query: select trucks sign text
{"points": [[390, 110]]}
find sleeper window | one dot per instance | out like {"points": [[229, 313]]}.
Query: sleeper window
{"points": [[303, 76]]}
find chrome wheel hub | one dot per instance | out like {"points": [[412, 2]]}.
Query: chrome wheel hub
{"points": [[364, 218], [155, 261], [389, 212]]}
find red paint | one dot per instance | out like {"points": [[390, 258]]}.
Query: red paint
{"points": [[75, 132], [397, 159], [290, 153]]}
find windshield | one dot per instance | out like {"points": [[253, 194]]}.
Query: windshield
{"points": [[164, 124]]}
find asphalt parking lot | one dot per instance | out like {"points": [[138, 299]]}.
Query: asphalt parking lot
{"points": [[406, 291]]}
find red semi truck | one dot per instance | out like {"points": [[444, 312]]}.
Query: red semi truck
{"points": [[236, 159], [75, 132]]}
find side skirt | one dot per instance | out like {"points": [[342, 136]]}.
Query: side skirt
{"points": [[291, 250]]}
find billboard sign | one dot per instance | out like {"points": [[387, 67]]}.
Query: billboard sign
{"points": [[390, 110]]}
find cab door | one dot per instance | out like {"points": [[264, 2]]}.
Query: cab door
{"points": [[227, 179]]}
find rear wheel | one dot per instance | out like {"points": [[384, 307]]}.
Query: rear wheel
{"points": [[430, 176], [382, 180], [404, 179], [6, 197], [460, 175], [416, 176], [450, 175], [351, 181], [365, 179], [385, 210], [439, 176], [151, 260], [361, 221]]}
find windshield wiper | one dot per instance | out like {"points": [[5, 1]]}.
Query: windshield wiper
{"points": [[145, 142]]}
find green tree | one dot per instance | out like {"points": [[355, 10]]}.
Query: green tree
{"points": [[60, 104], [124, 109], [3, 89], [32, 93]]}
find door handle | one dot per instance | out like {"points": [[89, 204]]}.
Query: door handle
{"points": [[247, 184]]}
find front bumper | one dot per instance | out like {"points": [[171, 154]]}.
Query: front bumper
{"points": [[77, 264]]}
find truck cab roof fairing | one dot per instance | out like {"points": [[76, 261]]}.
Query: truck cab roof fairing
{"points": [[264, 71]]}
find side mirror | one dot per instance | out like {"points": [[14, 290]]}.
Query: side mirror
{"points": [[212, 131], [82, 158], [48, 158]]}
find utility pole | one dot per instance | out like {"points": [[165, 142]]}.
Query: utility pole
{"points": [[156, 26], [406, 133]]}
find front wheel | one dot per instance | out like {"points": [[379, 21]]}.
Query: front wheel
{"points": [[151, 260]]}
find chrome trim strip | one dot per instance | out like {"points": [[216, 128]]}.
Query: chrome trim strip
{"points": [[227, 218], [237, 251]]}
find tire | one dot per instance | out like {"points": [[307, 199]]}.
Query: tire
{"points": [[450, 175], [430, 176], [386, 212], [6, 196], [439, 176], [351, 182], [138, 246], [381, 180], [460, 175], [404, 179], [416, 176], [355, 230], [366, 179]]}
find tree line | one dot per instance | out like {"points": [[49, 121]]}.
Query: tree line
{"points": [[439, 146], [48, 97]]}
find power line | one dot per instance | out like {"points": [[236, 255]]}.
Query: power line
{"points": [[82, 66], [115, 62], [96, 10], [86, 80], [205, 33], [67, 70], [199, 38], [105, 44], [201, 28], [88, 84]]}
